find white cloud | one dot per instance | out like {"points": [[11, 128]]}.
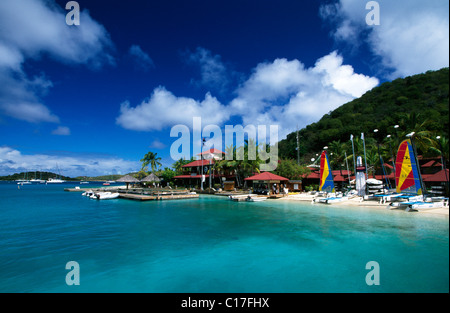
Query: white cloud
{"points": [[13, 161], [61, 131], [141, 58], [413, 35], [36, 27], [164, 109], [282, 93], [287, 94], [32, 29], [19, 97]]}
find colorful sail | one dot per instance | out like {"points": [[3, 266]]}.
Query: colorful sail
{"points": [[326, 176], [407, 174]]}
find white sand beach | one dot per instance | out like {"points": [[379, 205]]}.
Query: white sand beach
{"points": [[356, 202]]}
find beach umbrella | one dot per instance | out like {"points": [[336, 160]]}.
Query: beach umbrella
{"points": [[127, 179], [152, 178]]}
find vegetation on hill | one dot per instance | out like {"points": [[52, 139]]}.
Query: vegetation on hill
{"points": [[37, 175], [417, 103]]}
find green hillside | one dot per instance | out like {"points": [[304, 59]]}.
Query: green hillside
{"points": [[424, 97], [31, 175]]}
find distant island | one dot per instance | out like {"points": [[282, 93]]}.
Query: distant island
{"points": [[47, 175]]}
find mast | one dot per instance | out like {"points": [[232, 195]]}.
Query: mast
{"points": [[354, 158], [417, 164], [298, 149]]}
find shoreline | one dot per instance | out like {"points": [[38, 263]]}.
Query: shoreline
{"points": [[372, 205]]}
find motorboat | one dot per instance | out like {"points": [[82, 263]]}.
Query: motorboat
{"points": [[255, 198], [88, 193], [106, 195]]}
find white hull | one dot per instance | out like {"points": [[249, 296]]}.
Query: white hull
{"points": [[256, 199], [332, 200], [428, 205], [407, 201], [240, 197], [39, 181], [105, 195], [55, 181]]}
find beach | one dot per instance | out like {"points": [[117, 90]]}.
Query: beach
{"points": [[370, 205]]}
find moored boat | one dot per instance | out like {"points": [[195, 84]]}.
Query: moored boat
{"points": [[327, 183]]}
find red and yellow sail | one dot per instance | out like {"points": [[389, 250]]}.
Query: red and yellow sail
{"points": [[326, 176], [407, 174]]}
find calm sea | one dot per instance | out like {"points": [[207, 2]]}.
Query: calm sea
{"points": [[212, 244]]}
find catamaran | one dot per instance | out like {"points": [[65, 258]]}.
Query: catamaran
{"points": [[327, 182], [407, 178], [56, 180]]}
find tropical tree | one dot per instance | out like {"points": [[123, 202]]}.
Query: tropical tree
{"points": [[413, 123], [289, 168], [152, 159], [441, 148], [337, 149], [178, 165]]}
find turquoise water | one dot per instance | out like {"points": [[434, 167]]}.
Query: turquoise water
{"points": [[212, 244]]}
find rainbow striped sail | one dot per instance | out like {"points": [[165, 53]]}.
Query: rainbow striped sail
{"points": [[326, 176], [407, 174]]}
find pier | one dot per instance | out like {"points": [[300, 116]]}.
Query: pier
{"points": [[142, 194]]}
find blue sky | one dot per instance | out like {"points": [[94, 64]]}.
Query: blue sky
{"points": [[93, 99]]}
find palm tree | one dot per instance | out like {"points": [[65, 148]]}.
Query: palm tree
{"points": [[441, 148], [153, 160], [178, 165], [415, 123], [338, 150]]}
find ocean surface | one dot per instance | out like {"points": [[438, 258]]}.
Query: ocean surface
{"points": [[212, 244]]}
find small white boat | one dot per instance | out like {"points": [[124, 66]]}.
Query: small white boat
{"points": [[427, 205], [255, 198], [55, 181], [39, 181], [240, 197], [106, 195], [24, 182], [331, 200], [404, 201], [84, 182], [87, 193]]}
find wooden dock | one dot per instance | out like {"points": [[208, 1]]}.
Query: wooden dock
{"points": [[144, 197], [140, 194]]}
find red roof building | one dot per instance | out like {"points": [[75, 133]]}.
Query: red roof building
{"points": [[267, 176], [441, 176]]}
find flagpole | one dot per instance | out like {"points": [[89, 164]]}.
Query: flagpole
{"points": [[365, 159], [354, 158], [201, 160], [348, 171]]}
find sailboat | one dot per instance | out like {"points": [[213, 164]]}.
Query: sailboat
{"points": [[327, 182], [56, 180], [24, 181], [35, 180], [408, 181]]}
